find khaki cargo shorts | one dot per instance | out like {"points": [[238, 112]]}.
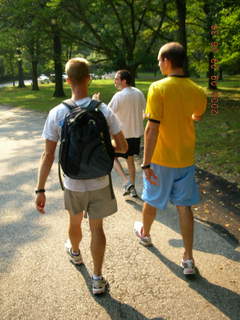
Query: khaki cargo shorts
{"points": [[97, 203]]}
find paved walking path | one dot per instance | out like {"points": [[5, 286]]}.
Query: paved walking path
{"points": [[38, 282]]}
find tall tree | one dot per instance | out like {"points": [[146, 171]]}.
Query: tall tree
{"points": [[21, 83], [182, 36], [54, 18], [57, 56], [202, 44], [34, 52], [31, 19], [8, 53], [125, 31], [209, 8], [229, 37]]}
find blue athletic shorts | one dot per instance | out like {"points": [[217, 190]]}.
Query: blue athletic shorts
{"points": [[176, 185]]}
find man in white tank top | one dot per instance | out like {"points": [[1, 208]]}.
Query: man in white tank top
{"points": [[129, 105]]}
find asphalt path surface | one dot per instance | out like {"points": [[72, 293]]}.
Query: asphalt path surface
{"points": [[37, 281]]}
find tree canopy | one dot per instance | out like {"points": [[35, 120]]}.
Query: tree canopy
{"points": [[115, 34]]}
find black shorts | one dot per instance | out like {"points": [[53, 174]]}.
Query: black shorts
{"points": [[133, 148]]}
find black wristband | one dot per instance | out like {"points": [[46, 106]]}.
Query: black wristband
{"points": [[146, 166], [39, 191]]}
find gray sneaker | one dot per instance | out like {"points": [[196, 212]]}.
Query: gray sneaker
{"points": [[188, 267], [145, 241], [74, 258], [99, 286], [126, 188], [133, 192]]}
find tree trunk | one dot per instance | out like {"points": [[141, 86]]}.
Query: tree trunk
{"points": [[69, 52], [11, 64], [182, 37], [57, 54], [133, 71], [212, 77], [220, 77], [21, 83], [34, 75]]}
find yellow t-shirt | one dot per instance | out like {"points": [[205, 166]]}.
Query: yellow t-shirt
{"points": [[172, 101]]}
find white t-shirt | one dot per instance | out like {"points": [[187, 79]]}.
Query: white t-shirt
{"points": [[52, 131], [129, 104]]}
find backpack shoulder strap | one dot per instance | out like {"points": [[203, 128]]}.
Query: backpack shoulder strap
{"points": [[94, 104], [70, 104]]}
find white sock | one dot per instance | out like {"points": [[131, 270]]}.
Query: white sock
{"points": [[75, 253], [96, 277]]}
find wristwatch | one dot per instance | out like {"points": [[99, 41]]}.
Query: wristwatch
{"points": [[146, 166], [39, 191]]}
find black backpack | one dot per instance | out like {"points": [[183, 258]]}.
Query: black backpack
{"points": [[85, 149]]}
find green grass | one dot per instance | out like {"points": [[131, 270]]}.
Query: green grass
{"points": [[217, 134], [218, 147], [43, 99]]}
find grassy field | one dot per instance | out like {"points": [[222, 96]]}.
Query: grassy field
{"points": [[218, 146]]}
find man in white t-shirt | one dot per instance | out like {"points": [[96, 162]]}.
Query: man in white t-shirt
{"points": [[93, 196], [129, 105]]}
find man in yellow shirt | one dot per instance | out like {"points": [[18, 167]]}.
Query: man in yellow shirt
{"points": [[173, 104]]}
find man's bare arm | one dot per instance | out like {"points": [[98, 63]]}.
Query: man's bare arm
{"points": [[46, 162], [119, 143], [150, 140]]}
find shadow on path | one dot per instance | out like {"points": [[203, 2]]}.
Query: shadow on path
{"points": [[137, 203], [201, 242], [113, 307], [227, 301], [16, 233], [169, 218]]}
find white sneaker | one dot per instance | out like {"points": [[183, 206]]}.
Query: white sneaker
{"points": [[133, 192], [188, 267], [145, 241], [127, 187], [74, 258], [99, 286]]}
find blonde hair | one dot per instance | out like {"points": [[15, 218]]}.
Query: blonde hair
{"points": [[77, 69]]}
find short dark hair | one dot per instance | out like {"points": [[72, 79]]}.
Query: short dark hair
{"points": [[174, 52], [125, 75]]}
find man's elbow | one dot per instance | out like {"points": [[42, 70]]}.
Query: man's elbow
{"points": [[124, 147], [48, 157], [120, 143]]}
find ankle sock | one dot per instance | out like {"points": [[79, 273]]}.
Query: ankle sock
{"points": [[75, 253], [96, 277]]}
